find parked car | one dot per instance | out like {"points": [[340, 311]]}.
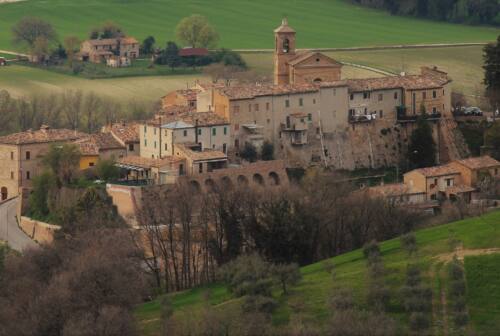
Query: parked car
{"points": [[473, 111]]}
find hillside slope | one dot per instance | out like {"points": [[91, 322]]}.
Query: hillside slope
{"points": [[473, 237], [319, 23]]}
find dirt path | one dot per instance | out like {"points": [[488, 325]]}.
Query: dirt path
{"points": [[460, 252]]}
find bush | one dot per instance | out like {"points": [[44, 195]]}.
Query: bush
{"points": [[287, 275], [456, 271], [409, 242], [379, 296], [267, 152], [342, 299], [107, 171], [459, 305], [249, 153], [259, 304], [457, 288], [419, 321], [412, 275], [371, 250], [461, 319]]}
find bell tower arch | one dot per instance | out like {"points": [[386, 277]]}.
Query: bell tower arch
{"points": [[284, 51]]}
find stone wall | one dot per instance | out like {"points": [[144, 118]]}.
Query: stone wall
{"points": [[41, 232], [127, 201]]}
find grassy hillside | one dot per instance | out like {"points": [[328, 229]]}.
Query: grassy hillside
{"points": [[435, 246], [320, 23]]}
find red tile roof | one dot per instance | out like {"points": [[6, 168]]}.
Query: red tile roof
{"points": [[93, 144], [412, 82], [43, 135], [437, 171], [127, 132], [479, 162], [184, 52]]}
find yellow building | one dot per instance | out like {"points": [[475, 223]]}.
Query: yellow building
{"points": [[99, 146]]}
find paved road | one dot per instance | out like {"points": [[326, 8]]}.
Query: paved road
{"points": [[9, 231]]}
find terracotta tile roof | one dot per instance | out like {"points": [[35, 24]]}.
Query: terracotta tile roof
{"points": [[126, 132], [256, 90], [479, 162], [459, 189], [410, 82], [143, 162], [184, 52], [128, 40], [95, 143], [437, 171], [305, 55], [43, 135], [205, 155], [189, 94], [112, 41], [396, 189], [188, 116]]}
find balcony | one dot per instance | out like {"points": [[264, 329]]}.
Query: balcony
{"points": [[361, 118], [402, 116], [299, 138], [299, 127]]}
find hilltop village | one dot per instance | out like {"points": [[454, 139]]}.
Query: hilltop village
{"points": [[309, 116]]}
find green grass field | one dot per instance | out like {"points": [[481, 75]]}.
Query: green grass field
{"points": [[320, 23], [483, 292], [313, 292]]}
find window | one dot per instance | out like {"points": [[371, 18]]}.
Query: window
{"points": [[434, 110], [12, 175], [309, 117], [225, 130], [154, 131], [28, 175], [395, 95], [199, 131], [380, 97], [424, 95], [256, 107], [131, 147], [155, 145], [351, 97], [91, 164], [145, 143], [267, 106], [449, 182], [166, 147], [249, 107], [236, 127], [314, 101], [145, 129], [301, 102], [268, 121], [236, 109], [181, 169], [366, 95], [496, 171], [287, 103], [28, 155], [185, 133], [434, 94], [214, 131], [12, 155], [381, 113], [224, 148], [200, 168], [236, 144]]}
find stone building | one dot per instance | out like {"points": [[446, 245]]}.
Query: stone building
{"points": [[292, 67], [127, 134], [21, 156], [99, 146], [102, 50]]}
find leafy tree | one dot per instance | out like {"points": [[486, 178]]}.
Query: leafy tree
{"points": [[267, 151], [228, 57], [147, 46], [422, 149], [170, 55], [287, 274], [71, 44], [492, 139], [43, 184], [409, 242], [30, 29], [107, 171], [492, 72], [249, 152], [108, 29], [63, 161], [195, 31], [40, 48]]}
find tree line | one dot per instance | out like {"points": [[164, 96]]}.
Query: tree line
{"points": [[189, 235], [74, 110], [456, 11]]}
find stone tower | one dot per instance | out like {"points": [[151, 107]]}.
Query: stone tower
{"points": [[284, 51]]}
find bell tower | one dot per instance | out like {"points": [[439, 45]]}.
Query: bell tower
{"points": [[284, 51]]}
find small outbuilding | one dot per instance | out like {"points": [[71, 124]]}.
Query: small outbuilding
{"points": [[3, 61]]}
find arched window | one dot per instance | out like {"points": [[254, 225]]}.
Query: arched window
{"points": [[274, 178], [4, 193], [258, 179], [286, 45], [317, 81]]}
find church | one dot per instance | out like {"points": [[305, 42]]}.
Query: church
{"points": [[292, 67]]}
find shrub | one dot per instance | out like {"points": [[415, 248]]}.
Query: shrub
{"points": [[249, 153], [409, 242], [287, 274], [379, 296], [342, 299], [461, 319], [371, 250], [459, 305], [259, 304], [412, 275], [419, 321], [456, 271], [457, 288], [267, 152]]}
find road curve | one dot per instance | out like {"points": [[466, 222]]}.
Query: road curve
{"points": [[10, 231]]}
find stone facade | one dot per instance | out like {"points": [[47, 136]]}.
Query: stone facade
{"points": [[102, 50]]}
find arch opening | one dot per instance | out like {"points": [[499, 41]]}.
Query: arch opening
{"points": [[274, 178], [194, 186], [210, 185], [242, 180], [258, 179]]}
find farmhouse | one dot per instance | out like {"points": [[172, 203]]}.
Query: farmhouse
{"points": [[113, 51]]}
